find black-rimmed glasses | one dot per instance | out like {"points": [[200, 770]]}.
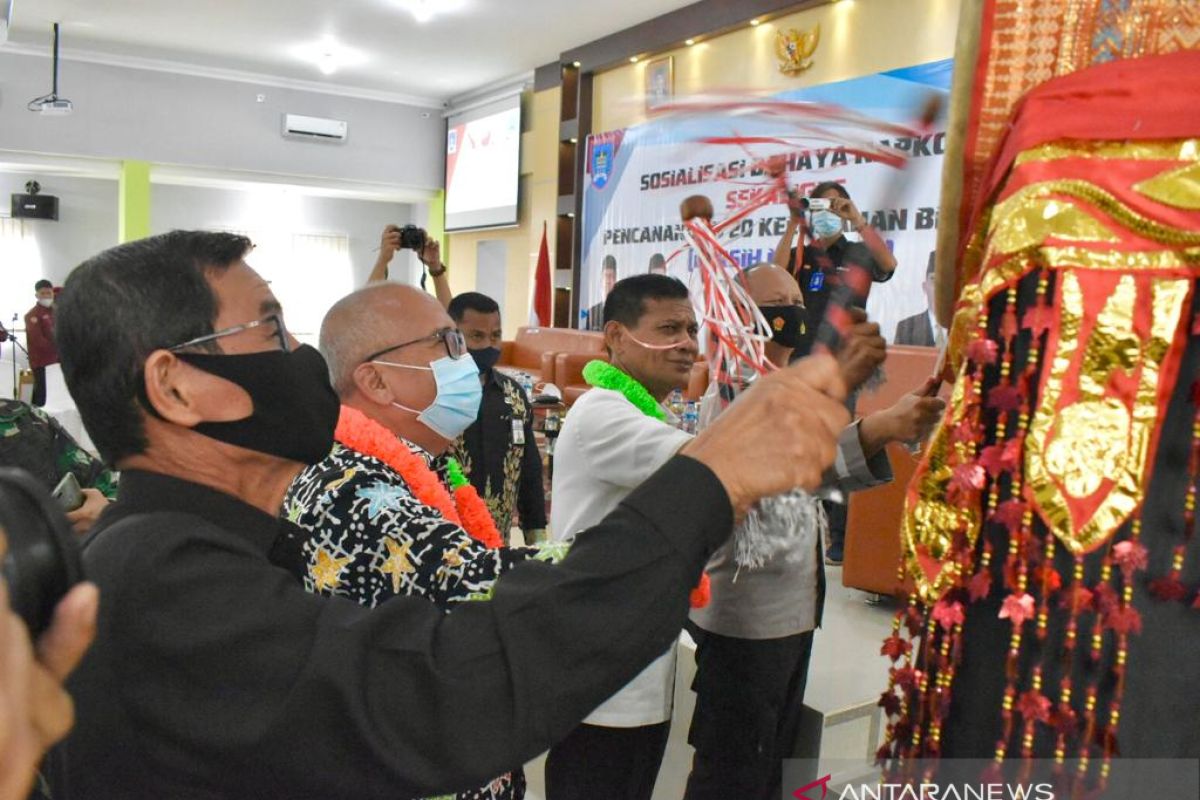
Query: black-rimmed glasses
{"points": [[452, 338], [280, 332]]}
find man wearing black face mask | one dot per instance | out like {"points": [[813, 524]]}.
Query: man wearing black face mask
{"points": [[216, 675], [498, 452], [755, 636]]}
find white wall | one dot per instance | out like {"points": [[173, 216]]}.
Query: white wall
{"points": [[167, 118], [87, 219], [87, 224], [269, 215]]}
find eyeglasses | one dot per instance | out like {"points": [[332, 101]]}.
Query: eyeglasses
{"points": [[452, 338], [280, 332]]}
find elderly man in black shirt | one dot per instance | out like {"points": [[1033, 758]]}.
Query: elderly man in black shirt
{"points": [[498, 451], [214, 674]]}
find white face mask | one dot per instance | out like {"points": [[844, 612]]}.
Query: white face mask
{"points": [[45, 302]]}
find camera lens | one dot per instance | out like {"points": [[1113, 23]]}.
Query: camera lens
{"points": [[42, 562]]}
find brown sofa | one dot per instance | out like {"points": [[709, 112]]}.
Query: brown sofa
{"points": [[534, 349], [872, 552]]}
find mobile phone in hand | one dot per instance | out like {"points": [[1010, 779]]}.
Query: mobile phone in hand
{"points": [[68, 493]]}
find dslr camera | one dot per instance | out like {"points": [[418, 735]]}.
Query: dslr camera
{"points": [[798, 202], [412, 238], [43, 561]]}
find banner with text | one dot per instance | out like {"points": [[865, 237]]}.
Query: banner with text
{"points": [[636, 178]]}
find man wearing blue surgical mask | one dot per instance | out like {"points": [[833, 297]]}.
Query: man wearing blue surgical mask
{"points": [[498, 452], [365, 526], [828, 251], [823, 260]]}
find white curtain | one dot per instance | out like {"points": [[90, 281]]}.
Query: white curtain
{"points": [[20, 268]]}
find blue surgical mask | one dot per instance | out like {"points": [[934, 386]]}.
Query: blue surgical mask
{"points": [[826, 224], [458, 395]]}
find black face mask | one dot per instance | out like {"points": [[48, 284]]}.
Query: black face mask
{"points": [[786, 323], [485, 357], [295, 408]]}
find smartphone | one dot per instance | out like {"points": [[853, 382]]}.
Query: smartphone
{"points": [[819, 204], [68, 493]]}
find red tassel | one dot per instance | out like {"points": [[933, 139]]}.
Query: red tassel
{"points": [[702, 594]]}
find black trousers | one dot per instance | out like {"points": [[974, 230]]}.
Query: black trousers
{"points": [[837, 514], [597, 763], [748, 702], [39, 386]]}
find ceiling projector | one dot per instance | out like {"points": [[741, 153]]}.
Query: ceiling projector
{"points": [[53, 105]]}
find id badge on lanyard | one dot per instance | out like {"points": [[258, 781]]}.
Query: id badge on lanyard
{"points": [[518, 430], [817, 281]]}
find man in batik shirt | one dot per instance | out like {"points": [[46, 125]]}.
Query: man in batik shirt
{"points": [[498, 452], [376, 519]]}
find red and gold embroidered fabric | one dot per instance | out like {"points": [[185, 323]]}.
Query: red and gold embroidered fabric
{"points": [[1068, 344]]}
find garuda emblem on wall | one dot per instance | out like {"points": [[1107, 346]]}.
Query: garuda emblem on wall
{"points": [[795, 49]]}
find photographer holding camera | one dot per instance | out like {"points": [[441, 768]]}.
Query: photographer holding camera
{"points": [[827, 254], [828, 251], [428, 250]]}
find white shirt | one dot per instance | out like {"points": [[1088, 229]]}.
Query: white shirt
{"points": [[939, 333], [606, 448]]}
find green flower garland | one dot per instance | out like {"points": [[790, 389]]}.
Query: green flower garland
{"points": [[603, 375], [454, 474]]}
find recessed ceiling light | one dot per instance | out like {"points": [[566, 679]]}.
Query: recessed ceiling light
{"points": [[328, 56], [633, 59], [576, 64], [754, 21], [574, 140], [689, 42], [425, 10]]}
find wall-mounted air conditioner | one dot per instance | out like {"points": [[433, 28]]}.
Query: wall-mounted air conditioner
{"points": [[296, 126]]}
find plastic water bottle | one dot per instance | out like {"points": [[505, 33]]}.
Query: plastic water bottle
{"points": [[691, 417], [675, 402]]}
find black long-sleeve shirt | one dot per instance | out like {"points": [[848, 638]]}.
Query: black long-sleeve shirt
{"points": [[819, 273], [214, 674]]}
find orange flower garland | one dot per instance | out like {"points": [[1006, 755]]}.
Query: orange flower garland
{"points": [[362, 434]]}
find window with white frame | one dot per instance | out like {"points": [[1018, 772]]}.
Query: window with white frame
{"points": [[308, 273]]}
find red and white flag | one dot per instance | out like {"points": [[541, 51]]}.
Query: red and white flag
{"points": [[539, 312]]}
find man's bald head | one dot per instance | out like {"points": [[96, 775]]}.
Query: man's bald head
{"points": [[370, 319], [771, 285]]}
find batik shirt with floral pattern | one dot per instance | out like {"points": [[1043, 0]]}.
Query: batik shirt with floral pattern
{"points": [[362, 535], [34, 441], [504, 469]]}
